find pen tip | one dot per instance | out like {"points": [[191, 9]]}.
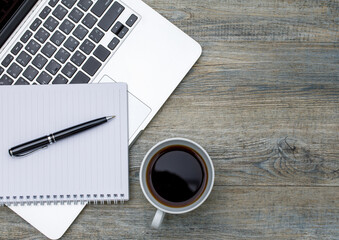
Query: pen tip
{"points": [[109, 118]]}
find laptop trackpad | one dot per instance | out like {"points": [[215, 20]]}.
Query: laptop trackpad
{"points": [[137, 110]]}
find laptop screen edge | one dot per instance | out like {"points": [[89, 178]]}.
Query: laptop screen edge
{"points": [[16, 19]]}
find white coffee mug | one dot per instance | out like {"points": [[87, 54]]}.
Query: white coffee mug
{"points": [[161, 208]]}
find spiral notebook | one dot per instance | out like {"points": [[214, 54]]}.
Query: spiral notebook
{"points": [[88, 167]]}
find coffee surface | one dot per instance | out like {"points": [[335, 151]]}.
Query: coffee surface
{"points": [[176, 176]]}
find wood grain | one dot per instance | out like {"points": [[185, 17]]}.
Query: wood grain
{"points": [[264, 101], [230, 213]]}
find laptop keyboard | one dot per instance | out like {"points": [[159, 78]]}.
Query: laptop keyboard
{"points": [[68, 42]]}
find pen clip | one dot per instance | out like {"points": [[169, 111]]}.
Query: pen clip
{"points": [[29, 152]]}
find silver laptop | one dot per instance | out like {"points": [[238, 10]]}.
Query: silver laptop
{"points": [[92, 41]]}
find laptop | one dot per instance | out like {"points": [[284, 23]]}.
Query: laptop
{"points": [[92, 41]]}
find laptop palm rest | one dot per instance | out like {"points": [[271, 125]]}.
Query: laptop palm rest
{"points": [[43, 217], [137, 111]]}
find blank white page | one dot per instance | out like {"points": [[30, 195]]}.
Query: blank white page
{"points": [[90, 166]]}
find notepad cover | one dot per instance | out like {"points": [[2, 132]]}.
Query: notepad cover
{"points": [[90, 166]]}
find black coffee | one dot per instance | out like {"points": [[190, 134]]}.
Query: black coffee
{"points": [[176, 176]]}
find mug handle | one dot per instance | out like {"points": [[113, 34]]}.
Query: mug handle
{"points": [[158, 218]]}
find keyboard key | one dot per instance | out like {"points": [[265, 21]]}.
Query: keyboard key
{"points": [[26, 36], [75, 15], [114, 43], [100, 6], [85, 4], [34, 26], [16, 49], [80, 77], [87, 46], [80, 32], [45, 12], [60, 12], [44, 78], [101, 52], [96, 35], [41, 35], [68, 3], [111, 16], [89, 20], [123, 32], [78, 58], [57, 38], [51, 23], [53, 67], [23, 58], [52, 3], [7, 60], [71, 43], [60, 80], [1, 70], [14, 70], [91, 66], [21, 81], [32, 47], [131, 20], [6, 80], [69, 70], [62, 55], [39, 61], [48, 50], [30, 73], [66, 26], [117, 27]]}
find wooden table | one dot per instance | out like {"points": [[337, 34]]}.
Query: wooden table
{"points": [[264, 101]]}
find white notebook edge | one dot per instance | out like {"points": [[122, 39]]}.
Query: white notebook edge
{"points": [[127, 143]]}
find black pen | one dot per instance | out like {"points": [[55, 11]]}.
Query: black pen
{"points": [[31, 146]]}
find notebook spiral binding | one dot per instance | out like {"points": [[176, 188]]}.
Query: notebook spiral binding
{"points": [[62, 199]]}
